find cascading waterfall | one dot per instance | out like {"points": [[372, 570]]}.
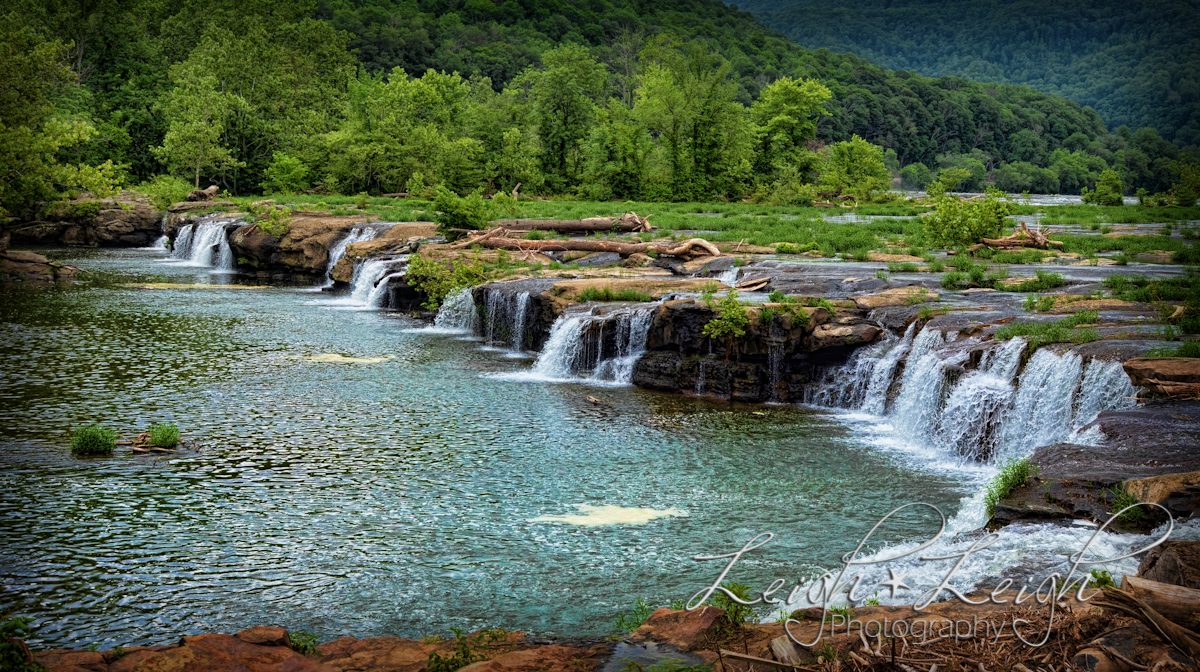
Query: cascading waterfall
{"points": [[985, 415], [357, 235], [204, 244], [369, 285], [595, 348], [458, 313], [507, 314]]}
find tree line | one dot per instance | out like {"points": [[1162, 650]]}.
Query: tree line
{"points": [[609, 100]]}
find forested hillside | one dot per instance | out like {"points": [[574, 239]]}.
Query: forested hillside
{"points": [[605, 99], [1136, 63]]}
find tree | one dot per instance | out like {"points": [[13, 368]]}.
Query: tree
{"points": [[958, 223], [1108, 190], [785, 118], [915, 176], [1186, 189], [31, 138], [564, 97], [857, 167], [286, 175], [197, 111]]}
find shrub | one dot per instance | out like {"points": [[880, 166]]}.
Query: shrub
{"points": [[1061, 331], [957, 222], [735, 614], [165, 190], [1108, 190], [455, 212], [93, 440], [303, 643], [609, 294], [730, 321], [1102, 579], [12, 654], [285, 175], [164, 435], [437, 279], [1185, 349], [277, 223], [1013, 474], [1043, 281], [789, 248], [954, 280], [634, 620], [1121, 499]]}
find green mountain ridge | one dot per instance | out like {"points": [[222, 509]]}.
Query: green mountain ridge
{"points": [[1137, 64]]}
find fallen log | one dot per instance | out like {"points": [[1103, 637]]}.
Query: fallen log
{"points": [[1022, 238], [696, 247], [1181, 638], [1177, 604], [203, 194], [628, 222]]}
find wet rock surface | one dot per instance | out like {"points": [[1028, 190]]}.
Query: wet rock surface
{"points": [[16, 265], [126, 220]]}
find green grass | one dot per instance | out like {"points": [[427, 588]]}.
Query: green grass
{"points": [[609, 294], [164, 435], [1013, 474], [905, 267], [1022, 257], [1122, 499], [1059, 331], [1043, 281], [93, 440], [1185, 349], [955, 280], [1112, 214], [1040, 304], [634, 620]]}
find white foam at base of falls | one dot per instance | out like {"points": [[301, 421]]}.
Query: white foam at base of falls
{"points": [[357, 234], [368, 287], [564, 358], [457, 314], [205, 245]]}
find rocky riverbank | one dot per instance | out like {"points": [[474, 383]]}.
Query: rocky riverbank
{"points": [[949, 634]]}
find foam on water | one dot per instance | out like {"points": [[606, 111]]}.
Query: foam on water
{"points": [[607, 514]]}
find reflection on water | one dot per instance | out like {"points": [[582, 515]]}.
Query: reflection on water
{"points": [[390, 497]]}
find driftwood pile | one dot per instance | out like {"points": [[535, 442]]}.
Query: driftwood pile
{"points": [[1022, 238], [497, 238]]}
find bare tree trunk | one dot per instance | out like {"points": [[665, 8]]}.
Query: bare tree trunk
{"points": [[628, 222], [695, 247]]}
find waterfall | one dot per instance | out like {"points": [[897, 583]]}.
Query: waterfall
{"points": [[369, 285], [204, 244], [507, 314], [632, 331], [357, 235], [458, 313], [986, 415], [598, 348]]}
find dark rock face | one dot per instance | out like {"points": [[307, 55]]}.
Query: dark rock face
{"points": [[1150, 449], [128, 220], [1173, 562], [499, 302], [774, 361]]}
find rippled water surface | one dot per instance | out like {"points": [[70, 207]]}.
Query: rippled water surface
{"points": [[392, 498]]}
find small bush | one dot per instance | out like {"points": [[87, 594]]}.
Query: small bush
{"points": [[789, 248], [534, 235], [455, 212], [1061, 331], [12, 654], [164, 435], [1043, 281], [165, 190], [285, 175], [1121, 499], [1013, 474], [634, 620], [437, 280], [730, 321], [735, 614], [609, 294], [955, 280], [303, 643], [1185, 349], [1102, 579], [93, 440]]}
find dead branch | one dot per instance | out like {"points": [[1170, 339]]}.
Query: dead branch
{"points": [[628, 222], [696, 247]]}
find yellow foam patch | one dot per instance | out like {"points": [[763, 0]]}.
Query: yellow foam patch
{"points": [[607, 514], [176, 285], [335, 358]]}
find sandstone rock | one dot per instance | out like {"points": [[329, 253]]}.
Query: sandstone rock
{"points": [[16, 265], [828, 336], [264, 635], [1173, 562], [186, 206], [1179, 493], [549, 658], [685, 630], [1171, 376], [61, 659], [637, 260], [898, 296]]}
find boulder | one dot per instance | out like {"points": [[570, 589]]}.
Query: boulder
{"points": [[1173, 562], [834, 335], [1170, 376], [16, 265], [685, 630], [127, 220], [898, 296], [61, 659], [264, 635], [1178, 493], [206, 194]]}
